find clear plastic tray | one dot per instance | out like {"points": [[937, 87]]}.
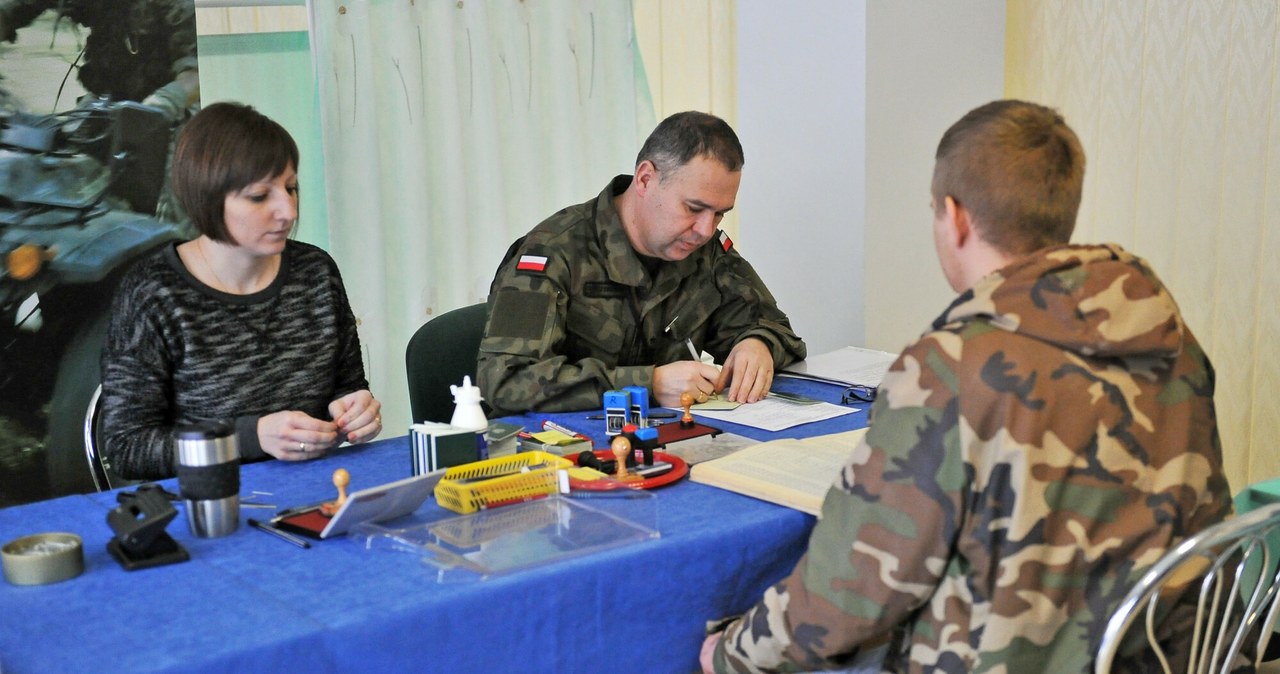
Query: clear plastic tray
{"points": [[521, 536]]}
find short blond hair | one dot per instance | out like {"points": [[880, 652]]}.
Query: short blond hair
{"points": [[1019, 171]]}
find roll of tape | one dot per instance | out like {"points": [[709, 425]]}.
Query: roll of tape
{"points": [[40, 559]]}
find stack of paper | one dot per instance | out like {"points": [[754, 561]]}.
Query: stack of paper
{"points": [[850, 366], [789, 472]]}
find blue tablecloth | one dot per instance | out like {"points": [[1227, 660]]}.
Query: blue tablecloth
{"points": [[248, 602]]}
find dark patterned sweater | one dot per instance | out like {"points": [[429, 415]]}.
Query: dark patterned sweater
{"points": [[178, 351]]}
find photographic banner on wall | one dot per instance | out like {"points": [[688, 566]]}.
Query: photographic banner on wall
{"points": [[91, 95]]}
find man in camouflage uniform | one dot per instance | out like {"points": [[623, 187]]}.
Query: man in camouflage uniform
{"points": [[604, 294], [1049, 438]]}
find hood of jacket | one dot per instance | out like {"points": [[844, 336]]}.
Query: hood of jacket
{"points": [[1095, 300]]}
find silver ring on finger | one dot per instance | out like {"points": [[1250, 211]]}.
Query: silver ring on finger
{"points": [[302, 447]]}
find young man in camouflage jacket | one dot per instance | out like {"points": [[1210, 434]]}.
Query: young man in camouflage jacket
{"points": [[605, 294], [1051, 436]]}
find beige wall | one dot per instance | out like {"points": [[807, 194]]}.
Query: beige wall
{"points": [[1178, 107], [230, 20]]}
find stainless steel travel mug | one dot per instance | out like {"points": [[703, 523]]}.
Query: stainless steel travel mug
{"points": [[209, 478]]}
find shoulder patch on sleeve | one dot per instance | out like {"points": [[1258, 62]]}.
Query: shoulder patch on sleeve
{"points": [[519, 314], [725, 242]]}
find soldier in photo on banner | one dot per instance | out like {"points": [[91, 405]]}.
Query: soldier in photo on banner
{"points": [[93, 93], [137, 50]]}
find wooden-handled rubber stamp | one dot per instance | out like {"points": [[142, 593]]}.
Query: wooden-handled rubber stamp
{"points": [[341, 478], [686, 401]]}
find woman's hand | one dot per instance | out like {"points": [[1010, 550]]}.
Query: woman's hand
{"points": [[295, 436], [357, 416]]}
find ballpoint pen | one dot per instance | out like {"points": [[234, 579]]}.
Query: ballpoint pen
{"points": [[553, 426], [687, 341], [282, 535]]}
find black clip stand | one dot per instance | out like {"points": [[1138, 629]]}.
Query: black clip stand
{"points": [[140, 541]]}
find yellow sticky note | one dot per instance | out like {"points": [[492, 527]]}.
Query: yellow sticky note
{"points": [[554, 438]]}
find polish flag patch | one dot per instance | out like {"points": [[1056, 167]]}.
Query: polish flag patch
{"points": [[536, 263], [725, 242]]}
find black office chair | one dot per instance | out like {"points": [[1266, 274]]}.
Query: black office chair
{"points": [[440, 354]]}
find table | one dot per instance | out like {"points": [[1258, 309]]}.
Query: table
{"points": [[248, 602]]}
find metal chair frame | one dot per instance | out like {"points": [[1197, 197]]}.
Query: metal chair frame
{"points": [[1236, 601], [97, 468]]}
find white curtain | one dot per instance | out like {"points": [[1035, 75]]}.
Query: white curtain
{"points": [[452, 127], [1178, 107]]}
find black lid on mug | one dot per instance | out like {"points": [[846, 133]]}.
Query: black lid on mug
{"points": [[203, 430]]}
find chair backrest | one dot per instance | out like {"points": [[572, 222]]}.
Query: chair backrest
{"points": [[104, 478], [101, 481], [439, 354], [1235, 602]]}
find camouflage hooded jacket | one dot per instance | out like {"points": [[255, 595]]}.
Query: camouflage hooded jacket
{"points": [[1051, 437], [575, 312]]}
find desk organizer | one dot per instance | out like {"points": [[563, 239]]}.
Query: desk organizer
{"points": [[502, 481]]}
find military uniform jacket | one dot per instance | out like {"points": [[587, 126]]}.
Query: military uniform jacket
{"points": [[1028, 458], [574, 312]]}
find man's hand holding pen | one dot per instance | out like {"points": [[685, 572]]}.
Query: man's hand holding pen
{"points": [[673, 379]]}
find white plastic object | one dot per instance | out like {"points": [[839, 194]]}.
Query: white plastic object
{"points": [[467, 413]]}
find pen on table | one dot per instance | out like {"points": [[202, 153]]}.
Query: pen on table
{"points": [[283, 535], [553, 426]]}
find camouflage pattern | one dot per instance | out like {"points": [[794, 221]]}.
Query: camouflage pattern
{"points": [[594, 318], [1050, 438]]}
